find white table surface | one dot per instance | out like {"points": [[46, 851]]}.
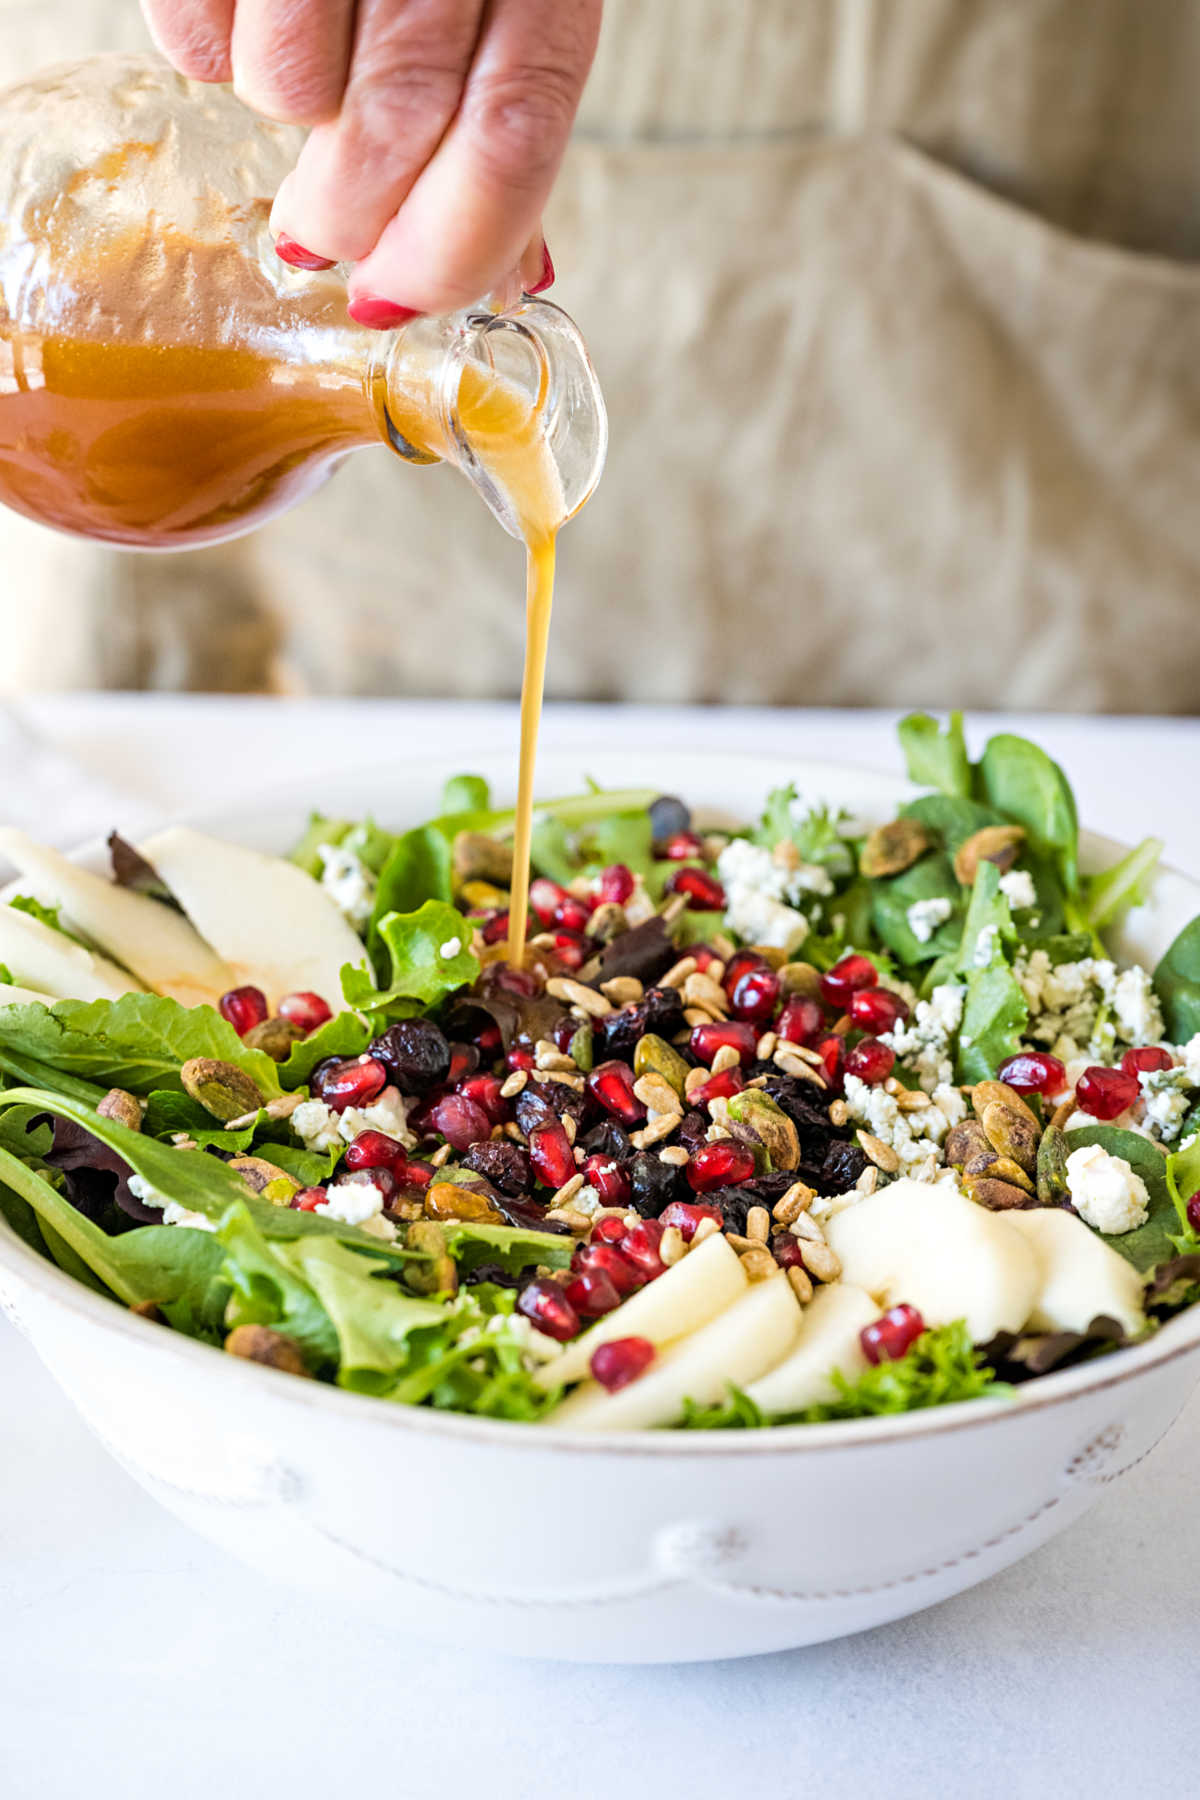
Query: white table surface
{"points": [[135, 1660]]}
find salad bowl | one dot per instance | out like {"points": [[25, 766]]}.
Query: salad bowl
{"points": [[622, 1547]]}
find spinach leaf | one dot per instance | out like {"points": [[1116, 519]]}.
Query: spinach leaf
{"points": [[138, 1042], [429, 957], [932, 878], [995, 1012], [1022, 782], [952, 815], [1152, 1242], [466, 794], [935, 757], [987, 910], [1111, 894], [1177, 984]]}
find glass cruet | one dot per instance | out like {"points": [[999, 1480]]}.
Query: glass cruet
{"points": [[166, 380]]}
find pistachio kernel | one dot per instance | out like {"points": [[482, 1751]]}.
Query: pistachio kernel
{"points": [[220, 1088]]}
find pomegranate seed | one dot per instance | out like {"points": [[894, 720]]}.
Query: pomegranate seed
{"points": [[308, 1011], [1106, 1092], [722, 1164], [609, 1179], [513, 981], [608, 1231], [611, 1085], [308, 1199], [832, 1051], [871, 1061], [464, 1060], [572, 913], [563, 1030], [1193, 1212], [1146, 1060], [551, 1155], [892, 1335], [722, 1086], [244, 1007], [847, 977], [615, 885], [705, 956], [545, 897], [704, 891], [460, 1121], [739, 963], [415, 1175], [484, 1090], [706, 1040], [687, 1215], [877, 1010], [382, 1180], [494, 929], [625, 1276], [621, 1361], [800, 1021], [544, 1303], [343, 1084], [571, 948], [680, 847], [592, 1294], [1033, 1072], [755, 996], [519, 1058], [785, 1248], [640, 1246], [375, 1150], [489, 1042]]}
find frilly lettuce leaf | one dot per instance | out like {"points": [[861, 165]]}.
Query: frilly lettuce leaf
{"points": [[138, 1042], [429, 956]]}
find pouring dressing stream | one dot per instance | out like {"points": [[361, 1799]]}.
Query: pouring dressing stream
{"points": [[166, 381]]}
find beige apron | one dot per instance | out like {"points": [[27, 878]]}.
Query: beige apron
{"points": [[896, 304]]}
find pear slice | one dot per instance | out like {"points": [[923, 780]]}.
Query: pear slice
{"points": [[19, 996], [828, 1340], [48, 962], [926, 1243], [737, 1346], [1080, 1275], [153, 940], [273, 924], [693, 1291]]}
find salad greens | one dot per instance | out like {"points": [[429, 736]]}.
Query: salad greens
{"points": [[410, 1278]]}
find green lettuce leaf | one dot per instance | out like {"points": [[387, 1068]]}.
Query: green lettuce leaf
{"points": [[1108, 896], [419, 970], [344, 1035], [45, 915], [372, 1317], [466, 794], [266, 1290], [936, 757], [321, 829], [138, 1042]]}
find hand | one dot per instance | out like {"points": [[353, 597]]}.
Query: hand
{"points": [[439, 126]]}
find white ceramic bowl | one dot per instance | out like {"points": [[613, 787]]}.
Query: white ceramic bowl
{"points": [[632, 1548]]}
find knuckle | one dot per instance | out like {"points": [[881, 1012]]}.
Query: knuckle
{"points": [[520, 121], [197, 52], [398, 97]]}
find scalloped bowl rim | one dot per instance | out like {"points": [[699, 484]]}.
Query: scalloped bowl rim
{"points": [[1176, 1338]]}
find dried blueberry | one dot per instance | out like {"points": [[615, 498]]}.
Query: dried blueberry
{"points": [[544, 1102], [653, 1184], [667, 816], [607, 1139], [660, 1010], [843, 1165], [693, 1131], [415, 1054], [502, 1163], [735, 1202]]}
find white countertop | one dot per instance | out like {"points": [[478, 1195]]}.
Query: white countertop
{"points": [[135, 1660]]}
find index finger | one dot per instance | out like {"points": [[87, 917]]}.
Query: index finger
{"points": [[468, 217]]}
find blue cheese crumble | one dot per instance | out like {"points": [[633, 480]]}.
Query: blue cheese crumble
{"points": [[924, 916], [348, 882], [1105, 1192]]}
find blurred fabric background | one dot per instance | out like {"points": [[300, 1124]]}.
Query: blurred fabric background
{"points": [[895, 305]]}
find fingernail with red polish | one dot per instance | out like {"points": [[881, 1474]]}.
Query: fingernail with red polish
{"points": [[289, 251], [546, 278], [378, 313]]}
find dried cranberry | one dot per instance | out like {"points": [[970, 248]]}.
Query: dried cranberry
{"points": [[611, 1086], [244, 1008], [544, 898], [608, 1178], [484, 1090], [341, 1084], [1033, 1072], [544, 1103], [653, 1184], [755, 996], [550, 1155], [840, 1168], [722, 1164], [502, 1163], [415, 1054], [621, 1361], [1146, 1059], [686, 1216], [374, 1150], [625, 1276], [800, 1021], [893, 1335], [615, 885], [693, 1131], [460, 1121], [706, 1040], [592, 1294], [306, 1010], [704, 892], [847, 977], [659, 1010], [681, 846], [607, 1139], [871, 1061], [877, 1010], [545, 1304], [1104, 1093]]}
